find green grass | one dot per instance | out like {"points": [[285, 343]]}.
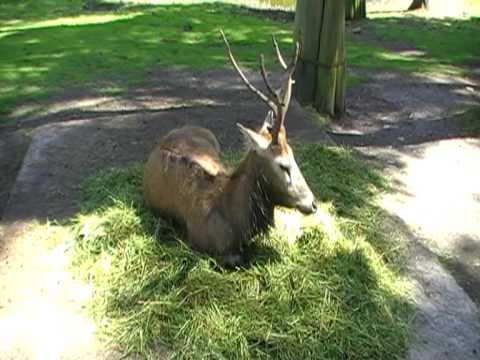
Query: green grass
{"points": [[337, 293], [101, 50], [50, 47], [446, 43], [17, 12]]}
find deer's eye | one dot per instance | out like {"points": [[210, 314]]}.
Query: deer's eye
{"points": [[285, 168]]}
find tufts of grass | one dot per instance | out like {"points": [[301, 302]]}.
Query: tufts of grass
{"points": [[469, 121], [332, 294]]}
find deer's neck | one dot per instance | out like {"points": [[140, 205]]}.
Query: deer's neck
{"points": [[246, 200]]}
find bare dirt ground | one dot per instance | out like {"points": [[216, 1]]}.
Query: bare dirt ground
{"points": [[407, 125], [404, 123]]}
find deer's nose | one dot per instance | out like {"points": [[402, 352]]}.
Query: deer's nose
{"points": [[307, 208]]}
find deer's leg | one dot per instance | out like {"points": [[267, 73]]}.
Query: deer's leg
{"points": [[216, 237], [232, 260], [224, 242]]}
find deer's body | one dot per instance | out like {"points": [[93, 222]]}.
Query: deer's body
{"points": [[187, 160], [221, 211], [185, 180]]}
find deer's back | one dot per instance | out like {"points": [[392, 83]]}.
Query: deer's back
{"points": [[182, 174]]}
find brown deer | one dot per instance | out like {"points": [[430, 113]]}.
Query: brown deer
{"points": [[184, 178]]}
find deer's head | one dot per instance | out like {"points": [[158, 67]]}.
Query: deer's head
{"points": [[286, 184]]}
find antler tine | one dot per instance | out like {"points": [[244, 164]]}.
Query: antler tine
{"points": [[279, 115], [293, 63], [252, 88], [279, 54], [267, 83], [279, 112], [286, 93]]}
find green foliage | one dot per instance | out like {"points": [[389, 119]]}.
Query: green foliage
{"points": [[331, 295]]}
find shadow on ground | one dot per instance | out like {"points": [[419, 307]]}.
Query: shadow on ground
{"points": [[395, 109], [75, 136], [463, 263]]}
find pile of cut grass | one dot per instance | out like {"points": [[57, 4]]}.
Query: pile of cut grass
{"points": [[331, 295]]}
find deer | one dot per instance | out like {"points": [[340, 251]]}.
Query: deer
{"points": [[221, 211]]}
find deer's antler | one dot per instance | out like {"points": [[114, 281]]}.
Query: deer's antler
{"points": [[278, 100], [279, 54], [252, 88], [285, 91]]}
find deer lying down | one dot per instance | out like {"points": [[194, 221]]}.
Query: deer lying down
{"points": [[184, 178]]}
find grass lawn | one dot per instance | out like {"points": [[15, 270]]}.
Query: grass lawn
{"points": [[117, 49], [337, 293], [444, 44], [51, 46]]}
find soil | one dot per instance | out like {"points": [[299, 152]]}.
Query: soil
{"points": [[405, 124]]}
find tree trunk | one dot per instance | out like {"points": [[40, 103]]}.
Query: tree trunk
{"points": [[418, 4], [355, 9], [320, 76]]}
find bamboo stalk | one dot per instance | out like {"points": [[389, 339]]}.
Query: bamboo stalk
{"points": [[307, 33], [320, 76], [355, 9], [331, 59]]}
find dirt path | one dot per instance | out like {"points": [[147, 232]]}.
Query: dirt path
{"points": [[408, 126]]}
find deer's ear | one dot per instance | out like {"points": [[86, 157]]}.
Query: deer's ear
{"points": [[269, 121], [254, 138]]}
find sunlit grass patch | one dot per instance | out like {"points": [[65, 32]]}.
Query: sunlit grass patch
{"points": [[367, 55], [71, 21], [333, 293], [446, 45]]}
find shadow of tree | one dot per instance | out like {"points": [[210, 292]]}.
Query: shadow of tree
{"points": [[461, 262], [111, 51], [404, 133]]}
